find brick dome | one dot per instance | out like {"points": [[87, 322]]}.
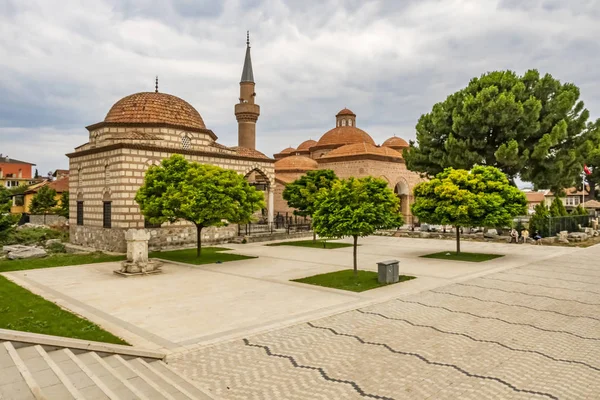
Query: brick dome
{"points": [[295, 163], [356, 149], [345, 111], [155, 108], [306, 145], [342, 135], [287, 150], [396, 143]]}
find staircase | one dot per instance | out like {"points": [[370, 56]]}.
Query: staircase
{"points": [[43, 367]]}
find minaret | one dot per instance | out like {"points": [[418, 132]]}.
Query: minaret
{"points": [[246, 112]]}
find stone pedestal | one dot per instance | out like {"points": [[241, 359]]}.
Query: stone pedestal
{"points": [[137, 255]]}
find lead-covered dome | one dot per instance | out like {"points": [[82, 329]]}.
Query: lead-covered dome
{"points": [[155, 108]]}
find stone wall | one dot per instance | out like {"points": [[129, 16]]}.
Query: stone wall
{"points": [[50, 220], [171, 236]]}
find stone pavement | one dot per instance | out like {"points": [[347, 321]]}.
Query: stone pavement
{"points": [[190, 306], [527, 332]]}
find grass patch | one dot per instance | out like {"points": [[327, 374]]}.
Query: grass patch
{"points": [[319, 244], [345, 280], [57, 260], [471, 257], [22, 310], [31, 236], [210, 255]]}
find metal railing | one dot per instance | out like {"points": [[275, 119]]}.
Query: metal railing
{"points": [[281, 223], [551, 226]]}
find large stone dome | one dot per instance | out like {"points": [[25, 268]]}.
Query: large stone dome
{"points": [[155, 108], [342, 135]]}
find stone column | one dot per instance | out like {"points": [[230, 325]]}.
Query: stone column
{"points": [[271, 205]]}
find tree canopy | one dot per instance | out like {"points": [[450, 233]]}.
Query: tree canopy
{"points": [[480, 197], [589, 151], [203, 194], [557, 208], [44, 201], [301, 194], [7, 220], [63, 208], [356, 207], [527, 126]]}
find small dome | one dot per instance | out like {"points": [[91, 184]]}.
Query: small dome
{"points": [[342, 135], [246, 152], [396, 143], [287, 150], [306, 145], [155, 108], [362, 149], [345, 111], [295, 163]]}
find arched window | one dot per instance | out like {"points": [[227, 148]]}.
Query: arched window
{"points": [[349, 122], [186, 142], [343, 122]]}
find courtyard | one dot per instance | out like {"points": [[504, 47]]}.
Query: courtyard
{"points": [[520, 326]]}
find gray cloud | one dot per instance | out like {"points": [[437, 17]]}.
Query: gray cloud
{"points": [[64, 63]]}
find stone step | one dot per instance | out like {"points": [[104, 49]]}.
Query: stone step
{"points": [[37, 372]]}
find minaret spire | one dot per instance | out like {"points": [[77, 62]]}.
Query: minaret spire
{"points": [[247, 74], [247, 111]]}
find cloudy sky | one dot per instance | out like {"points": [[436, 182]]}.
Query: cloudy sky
{"points": [[63, 63]]}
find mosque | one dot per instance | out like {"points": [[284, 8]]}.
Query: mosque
{"points": [[348, 151], [144, 128]]}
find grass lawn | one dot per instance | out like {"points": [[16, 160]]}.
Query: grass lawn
{"points": [[345, 280], [56, 260], [454, 256], [319, 244], [22, 310], [210, 255]]}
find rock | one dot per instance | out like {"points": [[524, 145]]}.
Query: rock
{"points": [[424, 235], [424, 228], [492, 232], [75, 249], [577, 236], [50, 242], [14, 247], [31, 252], [29, 225], [565, 241]]}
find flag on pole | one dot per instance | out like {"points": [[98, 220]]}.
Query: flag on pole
{"points": [[587, 170]]}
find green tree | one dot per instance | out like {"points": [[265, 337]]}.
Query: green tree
{"points": [[63, 208], [480, 197], [301, 194], [356, 207], [43, 202], [527, 126], [7, 220], [580, 210], [589, 152], [540, 220], [557, 208], [202, 194], [37, 174]]}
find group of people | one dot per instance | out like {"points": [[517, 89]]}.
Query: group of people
{"points": [[522, 238]]}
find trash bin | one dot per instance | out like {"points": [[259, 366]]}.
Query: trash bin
{"points": [[388, 271]]}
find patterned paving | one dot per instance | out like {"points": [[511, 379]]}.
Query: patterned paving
{"points": [[531, 332]]}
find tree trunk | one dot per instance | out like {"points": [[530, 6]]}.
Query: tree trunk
{"points": [[355, 246], [199, 240], [457, 240], [314, 235], [592, 194]]}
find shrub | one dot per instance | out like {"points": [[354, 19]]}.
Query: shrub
{"points": [[56, 248], [31, 236]]}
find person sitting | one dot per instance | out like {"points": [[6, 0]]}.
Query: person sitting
{"points": [[514, 236], [525, 235], [538, 238]]}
